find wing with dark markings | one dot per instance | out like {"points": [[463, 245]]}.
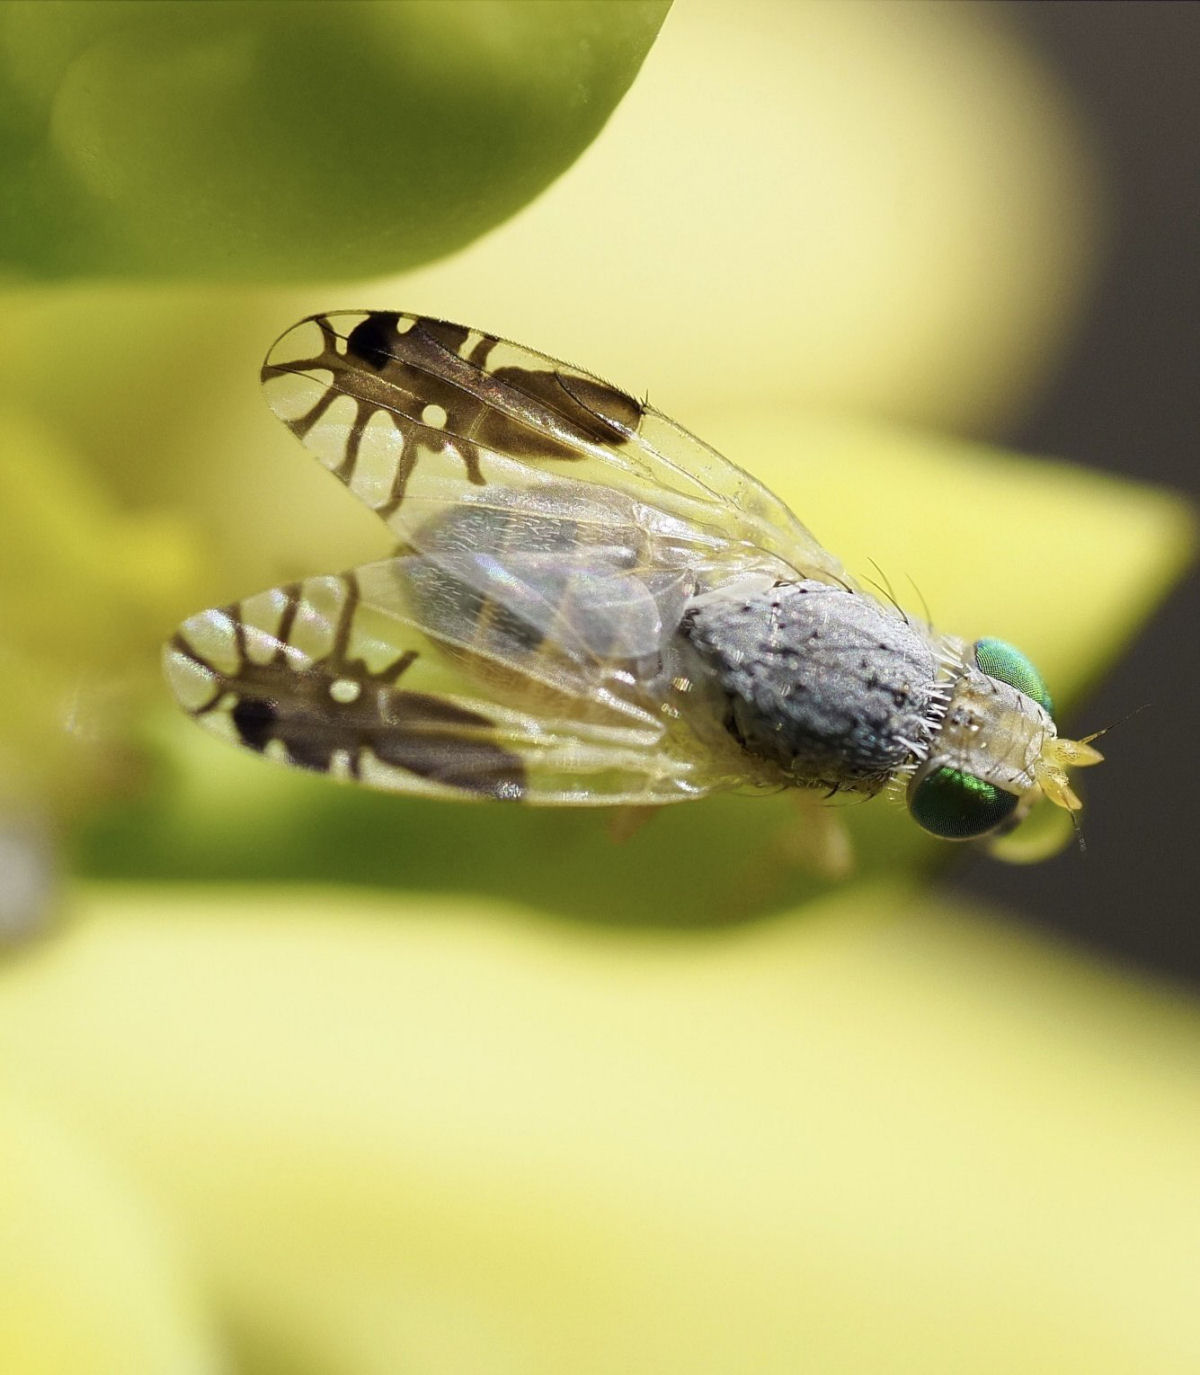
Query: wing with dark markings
{"points": [[346, 675], [413, 414]]}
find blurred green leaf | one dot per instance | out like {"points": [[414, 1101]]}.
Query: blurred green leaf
{"points": [[276, 141], [86, 587]]}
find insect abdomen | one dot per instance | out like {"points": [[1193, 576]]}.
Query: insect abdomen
{"points": [[567, 578]]}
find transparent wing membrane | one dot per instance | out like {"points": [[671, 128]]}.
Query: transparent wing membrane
{"points": [[412, 413]]}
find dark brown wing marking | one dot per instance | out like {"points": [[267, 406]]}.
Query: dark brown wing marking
{"points": [[414, 414], [293, 700], [400, 367]]}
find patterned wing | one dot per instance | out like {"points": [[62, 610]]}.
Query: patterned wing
{"points": [[413, 414], [522, 654]]}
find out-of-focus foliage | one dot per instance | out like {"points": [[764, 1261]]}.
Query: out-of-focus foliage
{"points": [[274, 140], [889, 208], [84, 588], [439, 1136]]}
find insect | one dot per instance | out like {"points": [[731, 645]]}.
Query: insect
{"points": [[588, 606]]}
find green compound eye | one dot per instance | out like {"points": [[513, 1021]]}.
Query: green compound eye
{"points": [[958, 806], [998, 659]]}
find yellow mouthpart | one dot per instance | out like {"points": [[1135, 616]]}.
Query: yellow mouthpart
{"points": [[1058, 755]]}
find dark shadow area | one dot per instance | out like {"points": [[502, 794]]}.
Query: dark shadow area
{"points": [[1127, 400]]}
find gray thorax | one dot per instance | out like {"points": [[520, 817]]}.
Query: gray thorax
{"points": [[834, 688]]}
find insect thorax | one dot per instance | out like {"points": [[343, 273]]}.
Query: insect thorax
{"points": [[827, 684]]}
